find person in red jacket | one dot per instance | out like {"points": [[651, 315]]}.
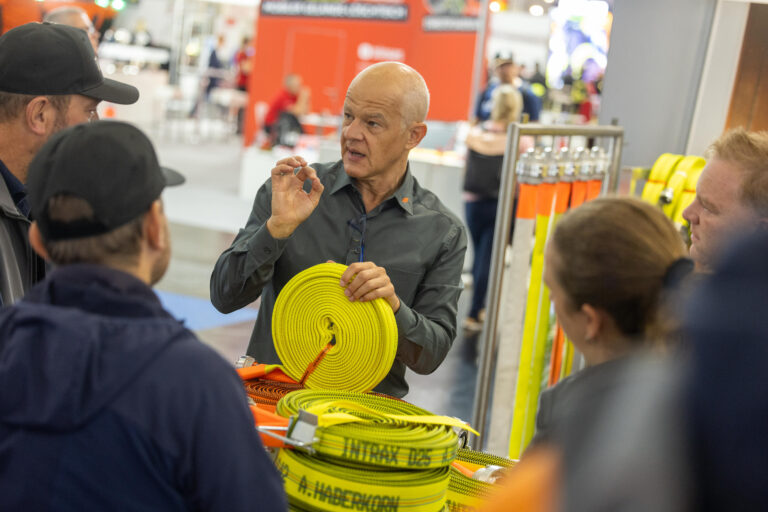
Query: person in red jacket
{"points": [[285, 109]]}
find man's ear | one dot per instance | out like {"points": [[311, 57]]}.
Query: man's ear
{"points": [[36, 242], [40, 115], [416, 133], [154, 225], [594, 322]]}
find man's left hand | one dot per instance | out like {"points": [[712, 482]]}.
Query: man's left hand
{"points": [[365, 281]]}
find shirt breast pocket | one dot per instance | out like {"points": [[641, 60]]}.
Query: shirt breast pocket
{"points": [[406, 282]]}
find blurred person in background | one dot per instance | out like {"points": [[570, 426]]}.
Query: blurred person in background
{"points": [[507, 72], [486, 144], [49, 80], [110, 403], [285, 109], [75, 17], [243, 64], [731, 195], [612, 266]]}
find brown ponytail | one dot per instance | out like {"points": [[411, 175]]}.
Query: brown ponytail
{"points": [[614, 253]]}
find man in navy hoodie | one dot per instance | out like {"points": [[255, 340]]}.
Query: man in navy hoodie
{"points": [[106, 401]]}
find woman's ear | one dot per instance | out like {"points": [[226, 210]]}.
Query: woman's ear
{"points": [[594, 322]]}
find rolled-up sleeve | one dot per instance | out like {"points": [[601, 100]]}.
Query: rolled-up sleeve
{"points": [[427, 327], [242, 271]]}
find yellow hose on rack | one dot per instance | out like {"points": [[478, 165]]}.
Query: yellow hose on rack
{"points": [[313, 484], [689, 191], [312, 314], [657, 179], [374, 430]]}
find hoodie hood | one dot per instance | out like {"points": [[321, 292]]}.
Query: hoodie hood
{"points": [[75, 342]]}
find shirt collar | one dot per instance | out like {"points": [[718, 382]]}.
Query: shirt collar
{"points": [[15, 188], [403, 195]]}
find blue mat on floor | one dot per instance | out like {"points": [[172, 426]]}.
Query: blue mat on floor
{"points": [[199, 314]]}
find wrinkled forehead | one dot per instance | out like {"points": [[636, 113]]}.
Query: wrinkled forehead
{"points": [[374, 95]]}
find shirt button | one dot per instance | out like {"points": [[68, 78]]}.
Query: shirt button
{"points": [[356, 240], [356, 251]]}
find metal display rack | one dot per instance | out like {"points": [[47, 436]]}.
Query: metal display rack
{"points": [[501, 337]]}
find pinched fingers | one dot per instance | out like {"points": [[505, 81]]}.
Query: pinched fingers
{"points": [[364, 281]]}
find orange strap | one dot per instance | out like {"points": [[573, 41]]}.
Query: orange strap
{"points": [[578, 193], [562, 196], [261, 370], [268, 419], [314, 364], [556, 360], [594, 187], [526, 203], [544, 198]]}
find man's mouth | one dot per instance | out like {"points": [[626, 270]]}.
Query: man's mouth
{"points": [[355, 155]]}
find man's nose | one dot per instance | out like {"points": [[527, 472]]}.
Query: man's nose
{"points": [[690, 214], [352, 130]]}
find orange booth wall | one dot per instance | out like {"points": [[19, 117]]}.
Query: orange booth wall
{"points": [[329, 52]]}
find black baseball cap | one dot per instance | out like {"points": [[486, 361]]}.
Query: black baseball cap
{"points": [[110, 164], [52, 59]]}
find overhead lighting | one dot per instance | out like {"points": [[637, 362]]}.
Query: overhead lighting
{"points": [[549, 1], [494, 6], [118, 5], [536, 10], [102, 3]]}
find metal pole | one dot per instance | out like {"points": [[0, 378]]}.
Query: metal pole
{"points": [[477, 67], [177, 44], [489, 336]]}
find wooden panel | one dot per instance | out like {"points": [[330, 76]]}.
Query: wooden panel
{"points": [[749, 100]]}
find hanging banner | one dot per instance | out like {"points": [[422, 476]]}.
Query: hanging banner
{"points": [[328, 42]]}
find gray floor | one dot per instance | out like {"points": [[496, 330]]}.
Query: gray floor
{"points": [[212, 170]]}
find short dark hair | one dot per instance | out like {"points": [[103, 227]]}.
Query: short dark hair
{"points": [[119, 246], [13, 104]]}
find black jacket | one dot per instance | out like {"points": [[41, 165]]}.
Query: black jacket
{"points": [[20, 267], [109, 403]]}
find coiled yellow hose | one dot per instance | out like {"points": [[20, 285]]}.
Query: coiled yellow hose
{"points": [[313, 484], [375, 431], [312, 313]]}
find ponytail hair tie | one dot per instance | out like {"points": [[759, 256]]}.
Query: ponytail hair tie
{"points": [[676, 272]]}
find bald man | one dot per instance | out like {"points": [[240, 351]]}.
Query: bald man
{"points": [[365, 210], [74, 17]]}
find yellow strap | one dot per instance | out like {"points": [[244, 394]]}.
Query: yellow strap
{"points": [[312, 311], [314, 484]]}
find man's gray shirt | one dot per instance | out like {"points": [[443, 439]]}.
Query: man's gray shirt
{"points": [[412, 235]]}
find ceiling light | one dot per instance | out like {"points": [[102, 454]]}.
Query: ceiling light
{"points": [[536, 10]]}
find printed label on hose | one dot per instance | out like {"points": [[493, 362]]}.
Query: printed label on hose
{"points": [[374, 453], [315, 484]]}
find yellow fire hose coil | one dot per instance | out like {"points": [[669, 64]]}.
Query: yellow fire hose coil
{"points": [[313, 484], [466, 494], [312, 311], [374, 430], [657, 178]]}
